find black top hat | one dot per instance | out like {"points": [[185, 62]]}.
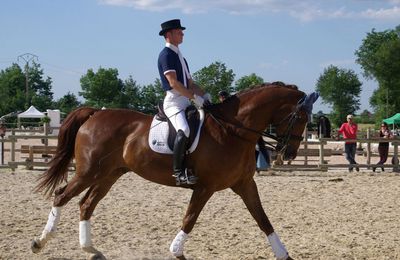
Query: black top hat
{"points": [[169, 25]]}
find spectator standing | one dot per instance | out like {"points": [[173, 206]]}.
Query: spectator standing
{"points": [[324, 127], [263, 160], [383, 147], [349, 131]]}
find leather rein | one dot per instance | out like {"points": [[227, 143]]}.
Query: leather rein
{"points": [[282, 140]]}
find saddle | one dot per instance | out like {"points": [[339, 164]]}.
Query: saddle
{"points": [[162, 132], [192, 117]]}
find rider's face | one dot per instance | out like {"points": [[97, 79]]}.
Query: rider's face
{"points": [[175, 36]]}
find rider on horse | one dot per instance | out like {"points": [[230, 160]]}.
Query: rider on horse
{"points": [[180, 89]]}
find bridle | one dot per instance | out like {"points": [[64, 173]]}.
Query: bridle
{"points": [[282, 140]]}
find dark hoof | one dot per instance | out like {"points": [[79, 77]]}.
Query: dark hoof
{"points": [[289, 258], [98, 256], [182, 257], [35, 247]]}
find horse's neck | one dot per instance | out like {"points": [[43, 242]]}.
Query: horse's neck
{"points": [[249, 113], [258, 109]]}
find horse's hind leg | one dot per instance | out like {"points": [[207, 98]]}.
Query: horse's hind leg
{"points": [[87, 205], [199, 198], [62, 196], [249, 194]]}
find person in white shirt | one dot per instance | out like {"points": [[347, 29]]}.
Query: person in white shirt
{"points": [[180, 89]]}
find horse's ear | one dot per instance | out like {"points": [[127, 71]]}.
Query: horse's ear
{"points": [[308, 102]]}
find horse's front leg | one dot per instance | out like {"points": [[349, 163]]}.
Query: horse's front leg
{"points": [[248, 192], [199, 198]]}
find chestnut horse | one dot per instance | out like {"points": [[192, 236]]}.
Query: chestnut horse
{"points": [[109, 143]]}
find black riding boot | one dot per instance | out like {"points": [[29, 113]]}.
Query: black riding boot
{"points": [[182, 175]]}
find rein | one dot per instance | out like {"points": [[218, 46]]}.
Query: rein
{"points": [[282, 140]]}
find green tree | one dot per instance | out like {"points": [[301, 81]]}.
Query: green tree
{"points": [[67, 103], [40, 90], [103, 88], [341, 89], [149, 97], [248, 81], [214, 78], [379, 57], [12, 90], [132, 94], [366, 117]]}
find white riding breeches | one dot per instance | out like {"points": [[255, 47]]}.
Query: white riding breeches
{"points": [[174, 107]]}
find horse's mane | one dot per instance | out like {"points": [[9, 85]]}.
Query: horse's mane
{"points": [[216, 108], [256, 87], [267, 84]]}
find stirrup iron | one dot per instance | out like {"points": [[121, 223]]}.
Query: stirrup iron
{"points": [[185, 177]]}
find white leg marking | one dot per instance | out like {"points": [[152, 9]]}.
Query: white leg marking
{"points": [[178, 243], [85, 239], [54, 218], [277, 247], [50, 229]]}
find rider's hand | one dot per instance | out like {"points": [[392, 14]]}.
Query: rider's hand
{"points": [[207, 97], [198, 100]]}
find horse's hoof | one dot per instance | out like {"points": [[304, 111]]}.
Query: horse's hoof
{"points": [[98, 256], [289, 258], [182, 257], [35, 246]]}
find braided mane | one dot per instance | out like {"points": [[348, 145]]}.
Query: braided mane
{"points": [[268, 84]]}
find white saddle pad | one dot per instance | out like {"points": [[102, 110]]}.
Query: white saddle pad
{"points": [[158, 135]]}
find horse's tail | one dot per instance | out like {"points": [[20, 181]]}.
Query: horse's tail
{"points": [[58, 169]]}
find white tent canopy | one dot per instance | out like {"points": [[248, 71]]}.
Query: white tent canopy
{"points": [[31, 112]]}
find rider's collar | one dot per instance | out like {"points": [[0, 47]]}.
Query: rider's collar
{"points": [[172, 47]]}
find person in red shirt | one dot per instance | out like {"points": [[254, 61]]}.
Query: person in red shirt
{"points": [[349, 131]]}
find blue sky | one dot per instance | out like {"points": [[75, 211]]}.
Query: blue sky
{"points": [[279, 40]]}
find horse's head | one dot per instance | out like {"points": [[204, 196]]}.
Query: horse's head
{"points": [[290, 129], [247, 114]]}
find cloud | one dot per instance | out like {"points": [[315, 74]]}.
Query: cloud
{"points": [[306, 10], [382, 14]]}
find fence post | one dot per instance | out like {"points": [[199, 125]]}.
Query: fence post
{"points": [[368, 148], [305, 146], [12, 139], [46, 139], [2, 150], [29, 161], [322, 165], [395, 157]]}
